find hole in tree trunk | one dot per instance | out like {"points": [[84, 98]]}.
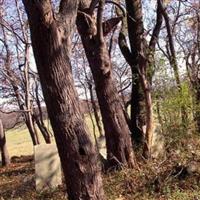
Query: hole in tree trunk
{"points": [[82, 151]]}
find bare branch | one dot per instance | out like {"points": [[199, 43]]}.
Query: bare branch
{"points": [[157, 28]]}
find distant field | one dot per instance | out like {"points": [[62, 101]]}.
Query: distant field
{"points": [[19, 141]]}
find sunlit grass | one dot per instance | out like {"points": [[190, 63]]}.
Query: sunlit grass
{"points": [[19, 140]]}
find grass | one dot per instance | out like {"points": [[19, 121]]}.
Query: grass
{"points": [[19, 140], [155, 180]]}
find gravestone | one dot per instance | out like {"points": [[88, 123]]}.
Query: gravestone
{"points": [[47, 167], [158, 142], [102, 146]]}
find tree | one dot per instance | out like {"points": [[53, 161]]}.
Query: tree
{"points": [[17, 77], [4, 151], [50, 35], [140, 57], [11, 76], [38, 116], [171, 55], [190, 47], [118, 141], [85, 82]]}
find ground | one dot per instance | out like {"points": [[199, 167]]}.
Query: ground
{"points": [[150, 182], [176, 176]]}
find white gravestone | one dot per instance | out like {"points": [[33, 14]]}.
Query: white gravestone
{"points": [[47, 167]]}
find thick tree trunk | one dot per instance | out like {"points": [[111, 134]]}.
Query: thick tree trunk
{"points": [[117, 134], [51, 47], [4, 152]]}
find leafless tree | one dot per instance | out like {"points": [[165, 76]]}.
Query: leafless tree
{"points": [[93, 32]]}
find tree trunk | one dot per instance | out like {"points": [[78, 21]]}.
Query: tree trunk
{"points": [[29, 124], [140, 58], [31, 128], [95, 110], [137, 119], [117, 134], [137, 104], [139, 72], [39, 118], [51, 46], [42, 129], [4, 152], [149, 111], [135, 32]]}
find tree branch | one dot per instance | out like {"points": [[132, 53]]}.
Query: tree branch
{"points": [[157, 28], [99, 21], [124, 46]]}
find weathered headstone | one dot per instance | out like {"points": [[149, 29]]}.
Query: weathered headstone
{"points": [[47, 167], [158, 142], [102, 146]]}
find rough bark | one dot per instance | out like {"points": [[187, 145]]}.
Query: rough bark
{"points": [[3, 148], [117, 134], [51, 46]]}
